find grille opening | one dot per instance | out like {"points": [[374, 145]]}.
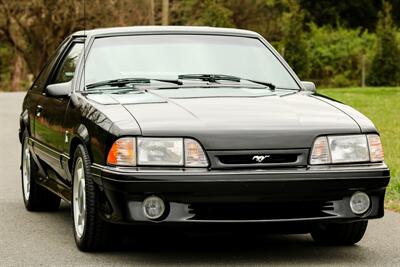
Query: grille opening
{"points": [[260, 211], [258, 159]]}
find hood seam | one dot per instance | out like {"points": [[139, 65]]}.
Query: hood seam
{"points": [[351, 117]]}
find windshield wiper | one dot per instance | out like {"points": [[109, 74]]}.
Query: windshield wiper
{"points": [[222, 77], [114, 90], [209, 77], [126, 81]]}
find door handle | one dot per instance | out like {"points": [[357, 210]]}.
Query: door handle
{"points": [[39, 110]]}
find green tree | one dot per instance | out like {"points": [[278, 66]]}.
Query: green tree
{"points": [[262, 16], [296, 50], [349, 14], [202, 13], [385, 67], [336, 54]]}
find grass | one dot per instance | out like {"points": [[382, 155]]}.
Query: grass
{"points": [[382, 106]]}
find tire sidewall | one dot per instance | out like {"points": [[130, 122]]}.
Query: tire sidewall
{"points": [[79, 153], [27, 202], [96, 232]]}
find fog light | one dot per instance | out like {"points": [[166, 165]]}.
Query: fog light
{"points": [[153, 207], [359, 203]]}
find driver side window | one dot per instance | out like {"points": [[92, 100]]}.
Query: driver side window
{"points": [[66, 70]]}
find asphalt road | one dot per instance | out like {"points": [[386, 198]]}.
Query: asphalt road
{"points": [[31, 239]]}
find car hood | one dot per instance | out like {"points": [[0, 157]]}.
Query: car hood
{"points": [[240, 120]]}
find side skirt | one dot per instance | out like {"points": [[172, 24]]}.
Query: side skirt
{"points": [[56, 188]]}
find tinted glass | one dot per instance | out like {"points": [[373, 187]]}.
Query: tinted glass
{"points": [[41, 80], [167, 56], [67, 69]]}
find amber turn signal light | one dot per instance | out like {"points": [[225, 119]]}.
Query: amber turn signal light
{"points": [[123, 152]]}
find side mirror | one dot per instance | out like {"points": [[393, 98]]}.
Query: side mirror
{"points": [[58, 89], [309, 86]]}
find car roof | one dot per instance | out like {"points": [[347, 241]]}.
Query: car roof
{"points": [[163, 29]]}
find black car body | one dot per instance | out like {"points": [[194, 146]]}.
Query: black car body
{"points": [[257, 141]]}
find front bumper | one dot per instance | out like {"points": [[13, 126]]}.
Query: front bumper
{"points": [[257, 195]]}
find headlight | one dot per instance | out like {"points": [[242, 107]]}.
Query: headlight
{"points": [[346, 149], [160, 151], [151, 151]]}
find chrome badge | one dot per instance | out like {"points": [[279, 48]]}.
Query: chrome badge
{"points": [[260, 158]]}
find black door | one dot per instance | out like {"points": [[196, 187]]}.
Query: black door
{"points": [[35, 92], [50, 113]]}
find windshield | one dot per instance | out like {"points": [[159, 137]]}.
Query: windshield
{"points": [[168, 56]]}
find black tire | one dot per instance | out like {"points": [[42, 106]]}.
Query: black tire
{"points": [[36, 198], [96, 234], [339, 233]]}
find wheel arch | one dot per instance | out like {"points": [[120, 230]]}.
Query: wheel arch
{"points": [[23, 124], [81, 137]]}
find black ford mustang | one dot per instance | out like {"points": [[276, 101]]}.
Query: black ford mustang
{"points": [[159, 125]]}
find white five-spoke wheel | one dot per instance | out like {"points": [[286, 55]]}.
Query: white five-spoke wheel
{"points": [[26, 170], [79, 198]]}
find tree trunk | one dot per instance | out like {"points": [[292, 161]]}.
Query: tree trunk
{"points": [[152, 19], [165, 12], [17, 73]]}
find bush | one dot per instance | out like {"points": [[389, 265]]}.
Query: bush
{"points": [[294, 43], [202, 13], [385, 68], [336, 55]]}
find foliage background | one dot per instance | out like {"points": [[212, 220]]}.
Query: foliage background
{"points": [[329, 42]]}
